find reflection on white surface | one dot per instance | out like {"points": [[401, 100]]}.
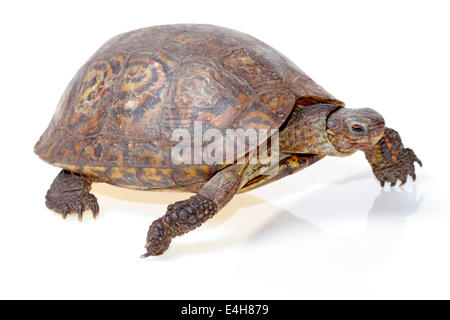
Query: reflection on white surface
{"points": [[319, 250]]}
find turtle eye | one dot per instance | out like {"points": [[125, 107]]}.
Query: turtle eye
{"points": [[358, 129]]}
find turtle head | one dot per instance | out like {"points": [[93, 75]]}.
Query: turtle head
{"points": [[352, 129]]}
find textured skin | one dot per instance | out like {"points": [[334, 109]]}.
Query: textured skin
{"points": [[304, 131], [390, 161], [287, 166], [340, 126], [181, 217], [69, 193], [115, 119]]}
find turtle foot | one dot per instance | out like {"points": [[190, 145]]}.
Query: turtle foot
{"points": [[69, 193], [390, 160], [181, 217], [158, 239], [400, 170]]}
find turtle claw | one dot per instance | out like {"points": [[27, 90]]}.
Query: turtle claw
{"points": [[403, 181], [64, 212], [80, 213], [73, 203], [95, 209], [69, 193], [400, 170]]}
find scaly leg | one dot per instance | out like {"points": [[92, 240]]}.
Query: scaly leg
{"points": [[69, 192], [390, 161], [184, 216]]}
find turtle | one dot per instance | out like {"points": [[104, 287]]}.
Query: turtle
{"points": [[116, 120]]}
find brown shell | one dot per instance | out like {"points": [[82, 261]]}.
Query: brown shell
{"points": [[116, 117]]}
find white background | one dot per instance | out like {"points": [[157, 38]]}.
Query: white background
{"points": [[327, 232]]}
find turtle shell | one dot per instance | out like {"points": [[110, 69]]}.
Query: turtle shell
{"points": [[115, 120]]}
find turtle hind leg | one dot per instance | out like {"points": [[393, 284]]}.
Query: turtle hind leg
{"points": [[69, 193]]}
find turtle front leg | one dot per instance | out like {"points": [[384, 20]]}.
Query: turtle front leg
{"points": [[184, 216], [390, 160], [69, 193]]}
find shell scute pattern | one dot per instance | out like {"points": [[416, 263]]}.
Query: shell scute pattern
{"points": [[94, 171], [95, 93], [117, 152], [156, 178], [202, 91], [90, 148], [266, 112], [191, 175], [150, 153], [141, 96], [255, 69]]}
